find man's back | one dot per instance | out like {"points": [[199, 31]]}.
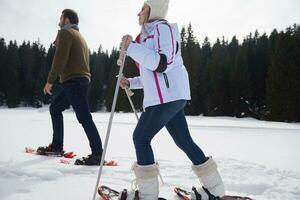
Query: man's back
{"points": [[71, 59]]}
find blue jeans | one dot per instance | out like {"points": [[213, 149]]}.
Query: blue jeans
{"points": [[74, 92], [171, 115]]}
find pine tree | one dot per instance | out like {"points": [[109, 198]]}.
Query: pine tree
{"points": [[97, 80], [232, 48], [263, 56], [26, 61], [191, 57], [239, 79], [112, 80], [216, 78], [272, 40], [258, 60], [183, 39], [12, 70], [3, 51], [40, 74], [203, 85], [283, 83], [226, 108]]}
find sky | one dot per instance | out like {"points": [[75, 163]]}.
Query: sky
{"points": [[105, 21]]}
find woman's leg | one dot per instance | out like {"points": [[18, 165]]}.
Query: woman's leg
{"points": [[150, 123], [205, 168], [179, 131], [146, 170]]}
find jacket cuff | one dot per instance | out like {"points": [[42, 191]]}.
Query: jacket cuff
{"points": [[50, 79], [130, 48]]}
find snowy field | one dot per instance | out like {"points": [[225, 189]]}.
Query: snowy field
{"points": [[256, 158]]}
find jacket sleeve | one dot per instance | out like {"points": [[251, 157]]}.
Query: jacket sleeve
{"points": [[61, 55], [161, 56], [135, 83]]}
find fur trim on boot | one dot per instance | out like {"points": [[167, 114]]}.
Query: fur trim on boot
{"points": [[147, 181], [210, 178]]}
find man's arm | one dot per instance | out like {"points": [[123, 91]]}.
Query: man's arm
{"points": [[61, 55]]}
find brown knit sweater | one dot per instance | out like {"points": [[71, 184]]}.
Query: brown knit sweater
{"points": [[71, 59]]}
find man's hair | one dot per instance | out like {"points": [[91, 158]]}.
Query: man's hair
{"points": [[72, 15]]}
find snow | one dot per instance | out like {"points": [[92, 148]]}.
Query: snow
{"points": [[255, 158]]}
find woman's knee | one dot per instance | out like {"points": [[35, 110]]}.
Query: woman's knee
{"points": [[184, 144], [139, 139]]}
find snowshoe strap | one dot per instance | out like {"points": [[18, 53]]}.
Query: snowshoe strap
{"points": [[210, 196], [197, 195], [182, 193], [79, 161], [136, 195], [124, 195]]}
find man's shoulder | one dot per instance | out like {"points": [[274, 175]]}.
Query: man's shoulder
{"points": [[65, 33], [71, 32]]}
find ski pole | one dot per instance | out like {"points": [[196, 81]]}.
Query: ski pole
{"points": [[129, 94], [120, 62]]}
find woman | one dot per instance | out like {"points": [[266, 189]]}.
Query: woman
{"points": [[166, 91]]}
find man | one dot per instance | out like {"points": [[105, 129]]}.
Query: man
{"points": [[71, 64]]}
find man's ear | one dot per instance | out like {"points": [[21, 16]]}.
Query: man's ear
{"points": [[67, 21]]}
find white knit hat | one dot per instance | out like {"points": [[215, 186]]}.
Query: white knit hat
{"points": [[158, 8]]}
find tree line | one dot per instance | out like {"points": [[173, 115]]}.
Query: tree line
{"points": [[258, 77]]}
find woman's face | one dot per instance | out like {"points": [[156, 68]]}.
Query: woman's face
{"points": [[144, 14]]}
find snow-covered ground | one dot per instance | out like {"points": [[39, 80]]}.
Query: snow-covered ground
{"points": [[255, 158]]}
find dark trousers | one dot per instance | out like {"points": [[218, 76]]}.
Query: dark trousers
{"points": [[74, 92], [171, 115]]}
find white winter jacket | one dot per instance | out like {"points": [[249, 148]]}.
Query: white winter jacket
{"points": [[156, 38]]}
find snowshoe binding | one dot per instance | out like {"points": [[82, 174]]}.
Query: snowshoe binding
{"points": [[49, 151], [91, 159], [107, 193], [195, 195]]}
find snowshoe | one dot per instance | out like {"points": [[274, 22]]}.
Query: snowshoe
{"points": [[228, 197], [49, 151], [41, 151], [67, 160], [195, 195], [107, 193], [89, 160]]}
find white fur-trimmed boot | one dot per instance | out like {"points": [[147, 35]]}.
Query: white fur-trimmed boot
{"points": [[209, 178], [147, 180]]}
